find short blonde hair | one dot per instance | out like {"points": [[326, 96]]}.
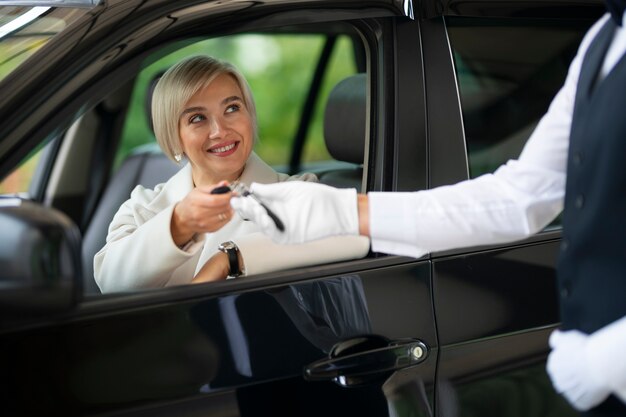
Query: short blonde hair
{"points": [[178, 85]]}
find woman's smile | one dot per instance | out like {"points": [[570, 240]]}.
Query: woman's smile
{"points": [[216, 131], [223, 150]]}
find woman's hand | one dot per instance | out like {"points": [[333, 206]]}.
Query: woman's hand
{"points": [[200, 212], [215, 269]]}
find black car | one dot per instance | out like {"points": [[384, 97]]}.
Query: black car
{"points": [[381, 95]]}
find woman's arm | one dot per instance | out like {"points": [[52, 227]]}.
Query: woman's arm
{"points": [[152, 236], [259, 254], [141, 254], [216, 268]]}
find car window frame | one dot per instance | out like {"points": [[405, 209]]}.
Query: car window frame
{"points": [[446, 133], [97, 88], [100, 303]]}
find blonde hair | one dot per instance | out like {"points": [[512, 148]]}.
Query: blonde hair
{"points": [[178, 85]]}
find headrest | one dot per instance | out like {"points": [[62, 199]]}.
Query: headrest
{"points": [[344, 119]]}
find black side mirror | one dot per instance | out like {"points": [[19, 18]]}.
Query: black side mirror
{"points": [[40, 268]]}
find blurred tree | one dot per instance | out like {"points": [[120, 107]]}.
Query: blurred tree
{"points": [[279, 69]]}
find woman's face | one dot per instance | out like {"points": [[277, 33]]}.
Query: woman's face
{"points": [[216, 131]]}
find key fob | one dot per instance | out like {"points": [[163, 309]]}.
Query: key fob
{"points": [[223, 189]]}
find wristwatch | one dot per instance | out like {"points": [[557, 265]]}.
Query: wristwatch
{"points": [[231, 250]]}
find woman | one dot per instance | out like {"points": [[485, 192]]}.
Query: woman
{"points": [[202, 109]]}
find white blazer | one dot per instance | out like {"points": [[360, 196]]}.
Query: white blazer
{"points": [[140, 251]]}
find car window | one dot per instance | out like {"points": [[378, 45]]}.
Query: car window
{"points": [[24, 30], [508, 71], [281, 78], [505, 90], [22, 180], [276, 66], [18, 181]]}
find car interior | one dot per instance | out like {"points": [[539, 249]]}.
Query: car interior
{"points": [[344, 135], [90, 169]]}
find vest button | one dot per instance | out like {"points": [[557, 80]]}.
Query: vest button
{"points": [[565, 290], [564, 245], [577, 158], [579, 202]]}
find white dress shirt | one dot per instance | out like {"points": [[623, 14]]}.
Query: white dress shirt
{"points": [[519, 199]]}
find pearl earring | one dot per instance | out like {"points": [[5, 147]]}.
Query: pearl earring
{"points": [[178, 157]]}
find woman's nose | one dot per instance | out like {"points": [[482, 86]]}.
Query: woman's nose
{"points": [[215, 128]]}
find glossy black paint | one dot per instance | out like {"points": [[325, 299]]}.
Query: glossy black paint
{"points": [[522, 8], [38, 259], [410, 156], [446, 138], [167, 351], [88, 55], [499, 376], [483, 313], [495, 292]]}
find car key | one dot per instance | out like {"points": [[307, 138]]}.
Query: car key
{"points": [[222, 189], [243, 191]]}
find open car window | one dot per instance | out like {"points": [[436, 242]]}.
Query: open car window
{"points": [[280, 68], [111, 148]]}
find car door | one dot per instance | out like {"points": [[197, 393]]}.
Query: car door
{"points": [[312, 341], [495, 306]]}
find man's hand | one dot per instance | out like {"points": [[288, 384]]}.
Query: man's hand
{"points": [[569, 369], [308, 210]]}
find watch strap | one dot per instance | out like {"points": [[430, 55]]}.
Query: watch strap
{"points": [[231, 250]]}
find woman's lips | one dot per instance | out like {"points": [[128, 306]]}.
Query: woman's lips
{"points": [[224, 150]]}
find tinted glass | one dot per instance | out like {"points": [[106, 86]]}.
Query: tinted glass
{"points": [[508, 71], [19, 180], [23, 30], [24, 180]]}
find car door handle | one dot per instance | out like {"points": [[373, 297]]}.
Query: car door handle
{"points": [[350, 365]]}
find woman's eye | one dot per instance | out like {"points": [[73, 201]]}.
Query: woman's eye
{"points": [[196, 118], [232, 108]]}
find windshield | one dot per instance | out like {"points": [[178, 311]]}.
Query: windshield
{"points": [[23, 30]]}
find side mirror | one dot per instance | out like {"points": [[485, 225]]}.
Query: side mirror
{"points": [[40, 268]]}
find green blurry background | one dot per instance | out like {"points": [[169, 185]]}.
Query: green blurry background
{"points": [[279, 69]]}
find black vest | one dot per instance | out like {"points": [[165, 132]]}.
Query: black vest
{"points": [[592, 265]]}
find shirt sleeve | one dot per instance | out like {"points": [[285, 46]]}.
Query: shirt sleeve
{"points": [[261, 255], [137, 254], [520, 198]]}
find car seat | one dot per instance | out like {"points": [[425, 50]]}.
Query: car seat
{"points": [[344, 134], [146, 166], [344, 131]]}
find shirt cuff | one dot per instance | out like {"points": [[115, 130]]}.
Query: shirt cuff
{"points": [[163, 221], [194, 245], [393, 224]]}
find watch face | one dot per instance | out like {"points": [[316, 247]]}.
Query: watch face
{"points": [[227, 246]]}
